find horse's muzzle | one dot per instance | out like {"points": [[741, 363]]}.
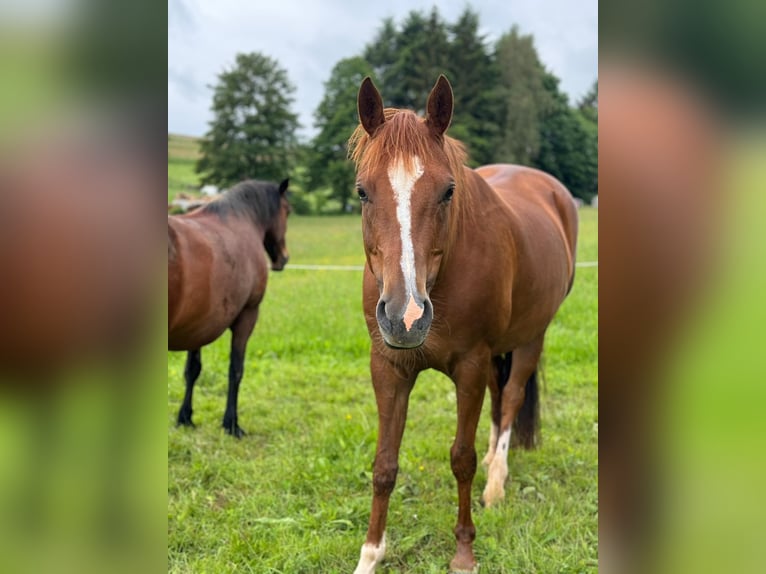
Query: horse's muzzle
{"points": [[279, 264], [393, 326]]}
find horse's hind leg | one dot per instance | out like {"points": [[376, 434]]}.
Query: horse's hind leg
{"points": [[519, 405], [241, 330], [501, 365], [191, 372]]}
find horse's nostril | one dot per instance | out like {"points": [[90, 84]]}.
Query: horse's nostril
{"points": [[380, 313]]}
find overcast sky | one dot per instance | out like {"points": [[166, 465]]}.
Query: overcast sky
{"points": [[308, 37]]}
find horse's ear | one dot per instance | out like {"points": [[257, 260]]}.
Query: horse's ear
{"points": [[370, 106], [283, 186], [439, 106]]}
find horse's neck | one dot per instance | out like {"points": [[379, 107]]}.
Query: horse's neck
{"points": [[259, 231], [485, 208], [243, 227]]}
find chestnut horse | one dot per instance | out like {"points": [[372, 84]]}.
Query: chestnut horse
{"points": [[465, 269], [217, 273]]}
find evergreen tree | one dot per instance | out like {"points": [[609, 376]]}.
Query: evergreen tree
{"points": [[568, 146], [588, 105], [408, 61], [336, 117], [588, 111], [521, 78], [508, 108], [252, 134], [380, 54], [474, 80]]}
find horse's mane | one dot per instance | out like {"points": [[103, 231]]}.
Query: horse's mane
{"points": [[256, 199], [400, 137]]}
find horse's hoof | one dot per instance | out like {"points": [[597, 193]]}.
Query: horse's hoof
{"points": [[236, 431], [492, 495], [185, 421], [489, 502], [465, 569]]}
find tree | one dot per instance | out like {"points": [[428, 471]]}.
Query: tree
{"points": [[588, 112], [474, 79], [568, 146], [588, 105], [408, 61], [508, 107], [252, 134], [521, 76], [381, 53], [336, 117]]}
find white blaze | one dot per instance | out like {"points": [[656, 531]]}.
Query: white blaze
{"points": [[402, 182]]}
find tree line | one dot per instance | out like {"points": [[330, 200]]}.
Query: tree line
{"points": [[508, 108]]}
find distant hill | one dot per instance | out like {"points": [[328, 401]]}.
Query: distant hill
{"points": [[183, 152], [183, 147]]}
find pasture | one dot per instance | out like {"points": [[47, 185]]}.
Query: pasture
{"points": [[183, 152], [293, 496]]}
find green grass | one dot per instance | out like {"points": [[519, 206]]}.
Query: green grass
{"points": [[183, 152], [294, 495]]}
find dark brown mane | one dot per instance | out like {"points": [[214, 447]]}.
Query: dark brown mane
{"points": [[400, 138], [256, 199]]}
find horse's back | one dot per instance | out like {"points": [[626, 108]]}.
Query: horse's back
{"points": [[517, 183], [528, 190], [542, 217]]}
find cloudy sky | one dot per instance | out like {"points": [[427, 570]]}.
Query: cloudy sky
{"points": [[307, 38]]}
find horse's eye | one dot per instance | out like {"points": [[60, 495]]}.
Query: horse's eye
{"points": [[362, 194], [448, 194]]}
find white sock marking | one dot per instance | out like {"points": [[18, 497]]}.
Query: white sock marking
{"points": [[502, 445], [371, 556], [498, 470], [492, 447], [402, 182]]}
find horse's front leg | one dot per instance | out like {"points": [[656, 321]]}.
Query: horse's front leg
{"points": [[392, 392], [471, 378]]}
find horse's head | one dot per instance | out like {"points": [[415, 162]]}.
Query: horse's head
{"points": [[274, 240], [405, 181]]}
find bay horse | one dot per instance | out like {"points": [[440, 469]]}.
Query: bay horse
{"points": [[464, 272], [217, 272]]}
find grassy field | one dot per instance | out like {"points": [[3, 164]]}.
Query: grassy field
{"points": [[183, 152], [294, 495]]}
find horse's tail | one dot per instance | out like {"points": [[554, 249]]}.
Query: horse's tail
{"points": [[526, 426]]}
